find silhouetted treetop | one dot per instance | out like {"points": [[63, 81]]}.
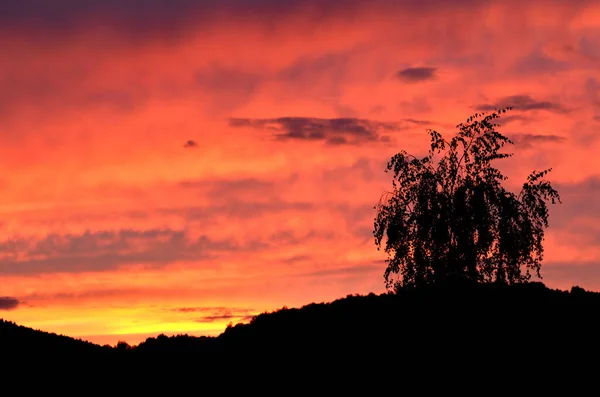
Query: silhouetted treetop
{"points": [[449, 219]]}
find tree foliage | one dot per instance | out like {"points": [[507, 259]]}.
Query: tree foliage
{"points": [[449, 218]]}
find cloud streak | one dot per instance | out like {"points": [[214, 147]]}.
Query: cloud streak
{"points": [[416, 74], [335, 131], [212, 314], [529, 140], [523, 103], [108, 250]]}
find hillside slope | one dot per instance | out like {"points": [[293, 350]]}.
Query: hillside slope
{"points": [[415, 323], [22, 340]]}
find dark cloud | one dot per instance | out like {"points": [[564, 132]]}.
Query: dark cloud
{"points": [[597, 118], [8, 303], [529, 140], [190, 144], [336, 131], [212, 314], [104, 250], [139, 19], [416, 74], [522, 103], [171, 19]]}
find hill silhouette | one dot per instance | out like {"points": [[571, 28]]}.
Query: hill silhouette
{"points": [[17, 339], [432, 338], [428, 321]]}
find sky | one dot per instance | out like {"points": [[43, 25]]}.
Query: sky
{"points": [[174, 166]]}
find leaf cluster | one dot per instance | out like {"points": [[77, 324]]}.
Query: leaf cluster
{"points": [[449, 219]]}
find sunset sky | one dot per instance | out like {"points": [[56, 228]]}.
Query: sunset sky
{"points": [[170, 166]]}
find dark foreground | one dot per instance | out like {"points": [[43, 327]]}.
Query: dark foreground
{"points": [[502, 331]]}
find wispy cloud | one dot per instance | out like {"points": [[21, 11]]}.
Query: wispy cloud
{"points": [[108, 250], [522, 103], [529, 140], [212, 314]]}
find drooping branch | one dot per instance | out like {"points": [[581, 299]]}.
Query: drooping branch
{"points": [[454, 219]]}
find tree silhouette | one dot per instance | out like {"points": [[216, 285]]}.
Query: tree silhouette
{"points": [[123, 346], [450, 220]]}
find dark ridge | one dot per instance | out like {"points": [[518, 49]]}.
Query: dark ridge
{"points": [[23, 340], [355, 317], [481, 325]]}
